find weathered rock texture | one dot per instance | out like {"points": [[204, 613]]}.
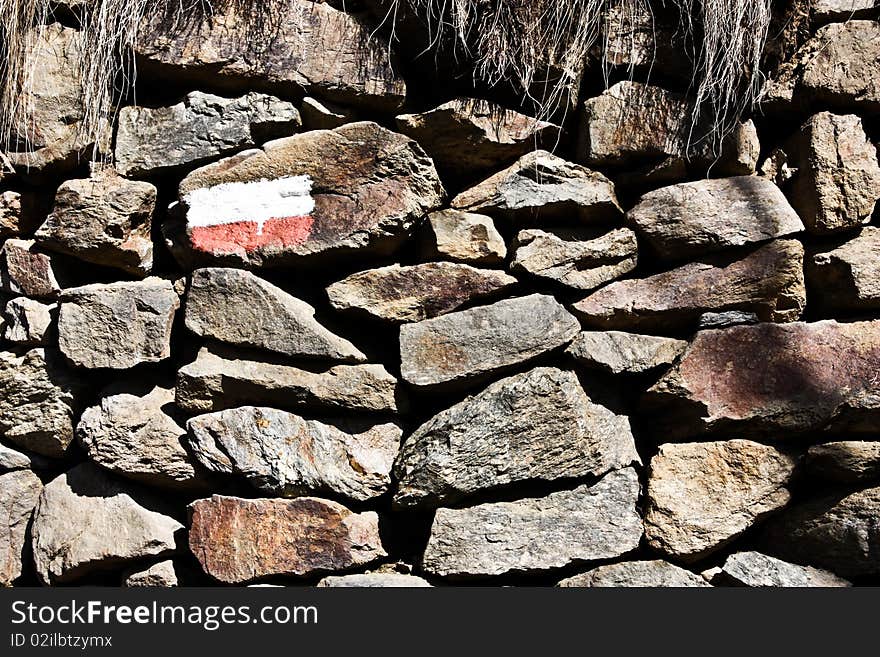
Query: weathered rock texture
{"points": [[756, 569], [846, 461], [636, 574], [23, 270], [463, 237], [628, 353], [19, 491], [848, 277]]}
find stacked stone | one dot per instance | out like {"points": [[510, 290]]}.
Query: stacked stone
{"points": [[604, 368]]}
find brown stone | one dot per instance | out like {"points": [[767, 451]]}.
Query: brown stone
{"points": [[463, 237], [23, 270], [847, 278], [19, 492], [10, 213]]}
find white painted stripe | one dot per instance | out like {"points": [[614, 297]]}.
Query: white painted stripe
{"points": [[257, 201]]}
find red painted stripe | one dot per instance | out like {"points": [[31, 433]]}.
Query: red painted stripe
{"points": [[225, 239]]}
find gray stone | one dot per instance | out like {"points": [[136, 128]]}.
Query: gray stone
{"points": [[86, 521], [537, 534], [236, 307], [701, 496], [543, 186], [726, 319], [848, 278], [282, 454], [463, 237], [416, 292], [214, 382], [845, 461], [130, 433], [11, 459], [768, 282], [630, 574], [28, 322], [105, 220], [161, 574], [19, 491], [624, 353], [374, 580], [25, 271], [38, 401], [200, 128], [480, 341], [536, 426], [117, 325], [841, 10], [690, 219], [759, 570], [578, 259]]}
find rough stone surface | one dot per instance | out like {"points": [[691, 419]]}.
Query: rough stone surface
{"points": [[578, 259], [131, 434], [768, 282], [726, 319], [369, 186], [25, 271], [161, 574], [773, 379], [711, 215], [317, 115], [117, 325], [543, 186], [19, 491], [287, 48], [463, 237], [470, 343], [537, 534], [536, 426], [848, 277], [86, 521], [28, 322], [836, 183], [374, 580], [703, 495], [38, 401], [11, 459], [236, 307], [656, 573], [845, 461], [467, 137], [838, 532], [282, 454], [239, 541], [417, 292], [201, 127], [624, 353], [105, 220], [213, 382], [839, 10], [756, 569], [10, 213]]}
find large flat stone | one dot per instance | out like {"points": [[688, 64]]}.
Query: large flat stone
{"points": [[624, 353], [756, 569]]}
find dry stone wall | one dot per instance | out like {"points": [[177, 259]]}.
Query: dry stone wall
{"points": [[308, 324]]}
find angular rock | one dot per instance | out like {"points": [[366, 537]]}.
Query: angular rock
{"points": [[38, 401], [836, 179], [117, 325], [637, 38], [25, 271], [726, 319], [701, 496], [542, 186], [417, 292], [200, 128], [354, 190], [19, 491], [773, 379], [578, 259], [624, 353], [28, 322], [286, 48], [130, 434], [161, 574], [467, 344], [711, 215], [105, 220], [467, 137], [463, 237], [848, 277], [10, 213], [11, 459], [284, 455], [536, 426], [213, 383], [374, 580], [838, 532], [239, 541], [845, 462], [842, 10], [629, 574], [86, 521], [317, 115], [768, 282], [537, 534], [238, 308], [756, 569]]}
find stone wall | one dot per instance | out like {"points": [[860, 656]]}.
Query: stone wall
{"points": [[316, 318]]}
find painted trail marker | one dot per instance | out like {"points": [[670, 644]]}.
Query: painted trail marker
{"points": [[232, 217]]}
